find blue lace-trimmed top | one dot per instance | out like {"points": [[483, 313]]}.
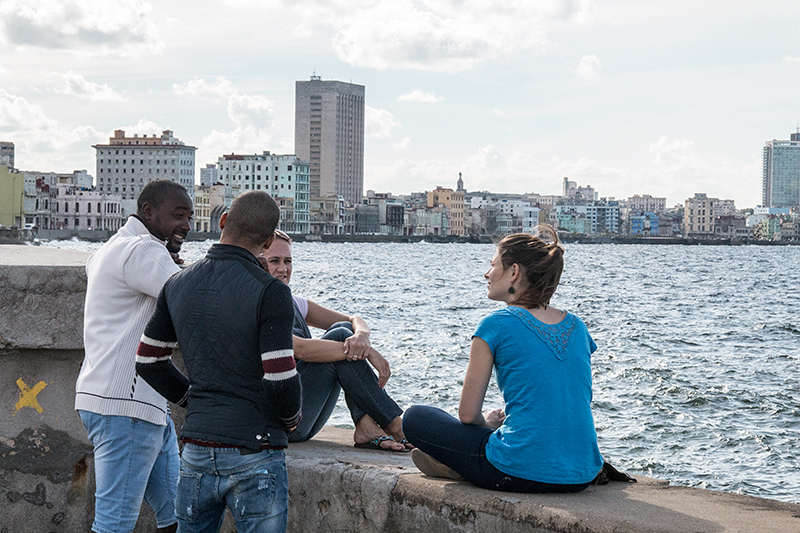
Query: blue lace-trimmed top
{"points": [[544, 373]]}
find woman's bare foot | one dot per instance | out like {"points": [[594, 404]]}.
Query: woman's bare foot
{"points": [[367, 430], [395, 429]]}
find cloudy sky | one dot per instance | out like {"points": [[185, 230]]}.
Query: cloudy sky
{"points": [[654, 97]]}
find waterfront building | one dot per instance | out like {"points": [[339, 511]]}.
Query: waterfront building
{"points": [[202, 208], [645, 204], [329, 133], [790, 231], [453, 201], [39, 198], [760, 213], [41, 194], [12, 189], [84, 209], [732, 227], [284, 176], [209, 175], [570, 189], [390, 211], [700, 214], [542, 201], [601, 215], [780, 172], [367, 220], [220, 198], [126, 164], [7, 154], [327, 215], [768, 228], [643, 224], [431, 221]]}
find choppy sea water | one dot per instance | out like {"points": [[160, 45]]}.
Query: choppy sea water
{"points": [[696, 379]]}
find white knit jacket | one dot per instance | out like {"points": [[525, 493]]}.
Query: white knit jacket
{"points": [[124, 278]]}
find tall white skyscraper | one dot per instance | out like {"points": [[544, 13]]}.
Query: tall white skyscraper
{"points": [[329, 133], [780, 182]]}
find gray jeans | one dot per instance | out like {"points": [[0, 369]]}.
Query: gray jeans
{"points": [[323, 381]]}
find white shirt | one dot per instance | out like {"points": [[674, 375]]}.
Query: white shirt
{"points": [[124, 278]]}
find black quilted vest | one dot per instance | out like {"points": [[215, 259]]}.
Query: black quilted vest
{"points": [[214, 305]]}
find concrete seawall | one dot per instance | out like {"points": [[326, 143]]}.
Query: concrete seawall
{"points": [[46, 467]]}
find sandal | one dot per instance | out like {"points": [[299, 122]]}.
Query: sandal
{"points": [[375, 444]]}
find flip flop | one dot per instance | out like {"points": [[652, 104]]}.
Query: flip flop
{"points": [[405, 443], [375, 444]]}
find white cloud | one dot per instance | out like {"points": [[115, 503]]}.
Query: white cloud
{"points": [[41, 142], [72, 83], [379, 123], [499, 113], [418, 95], [671, 152], [792, 60], [403, 144], [442, 36], [87, 27], [588, 70], [252, 116], [217, 89]]}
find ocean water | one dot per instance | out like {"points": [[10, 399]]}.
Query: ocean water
{"points": [[697, 375]]}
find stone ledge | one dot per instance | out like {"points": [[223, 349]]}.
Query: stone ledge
{"points": [[336, 487]]}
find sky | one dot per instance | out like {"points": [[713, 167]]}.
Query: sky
{"points": [[667, 98]]}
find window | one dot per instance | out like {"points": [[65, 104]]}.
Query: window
{"points": [[89, 208]]}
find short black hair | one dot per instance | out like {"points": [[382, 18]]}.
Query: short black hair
{"points": [[252, 218], [155, 192]]}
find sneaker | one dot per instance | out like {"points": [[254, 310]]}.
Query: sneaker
{"points": [[431, 467]]}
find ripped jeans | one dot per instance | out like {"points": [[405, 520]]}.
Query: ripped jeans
{"points": [[253, 485]]}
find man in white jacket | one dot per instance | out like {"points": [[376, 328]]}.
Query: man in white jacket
{"points": [[135, 446]]}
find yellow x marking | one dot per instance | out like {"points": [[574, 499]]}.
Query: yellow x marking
{"points": [[27, 396]]}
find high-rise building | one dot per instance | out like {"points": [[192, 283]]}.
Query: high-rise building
{"points": [[209, 175], [7, 154], [329, 133], [126, 164], [780, 182]]}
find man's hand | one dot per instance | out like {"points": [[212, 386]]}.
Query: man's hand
{"points": [[176, 258], [381, 365], [357, 346]]}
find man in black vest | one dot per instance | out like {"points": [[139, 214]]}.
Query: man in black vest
{"points": [[233, 322]]}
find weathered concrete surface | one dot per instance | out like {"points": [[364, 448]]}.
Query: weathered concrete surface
{"points": [[336, 487], [40, 301]]}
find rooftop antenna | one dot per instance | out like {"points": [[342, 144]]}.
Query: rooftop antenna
{"points": [[314, 76]]}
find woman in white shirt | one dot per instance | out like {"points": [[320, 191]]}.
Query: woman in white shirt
{"points": [[339, 360]]}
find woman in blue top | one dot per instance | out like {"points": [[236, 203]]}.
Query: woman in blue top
{"points": [[544, 440]]}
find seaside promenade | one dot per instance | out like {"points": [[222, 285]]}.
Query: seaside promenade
{"points": [[46, 469]]}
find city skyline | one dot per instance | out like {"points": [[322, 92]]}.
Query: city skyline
{"points": [[630, 98]]}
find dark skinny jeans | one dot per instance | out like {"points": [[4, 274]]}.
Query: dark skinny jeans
{"points": [[462, 447], [323, 381]]}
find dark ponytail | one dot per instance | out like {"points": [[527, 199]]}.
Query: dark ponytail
{"points": [[541, 263]]}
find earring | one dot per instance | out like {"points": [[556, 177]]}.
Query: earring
{"points": [[511, 290]]}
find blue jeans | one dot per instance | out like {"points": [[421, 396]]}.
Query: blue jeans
{"points": [[134, 460], [323, 381], [462, 447], [253, 485]]}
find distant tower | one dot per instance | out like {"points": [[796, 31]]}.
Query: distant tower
{"points": [[7, 154], [460, 184], [780, 182], [329, 133]]}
